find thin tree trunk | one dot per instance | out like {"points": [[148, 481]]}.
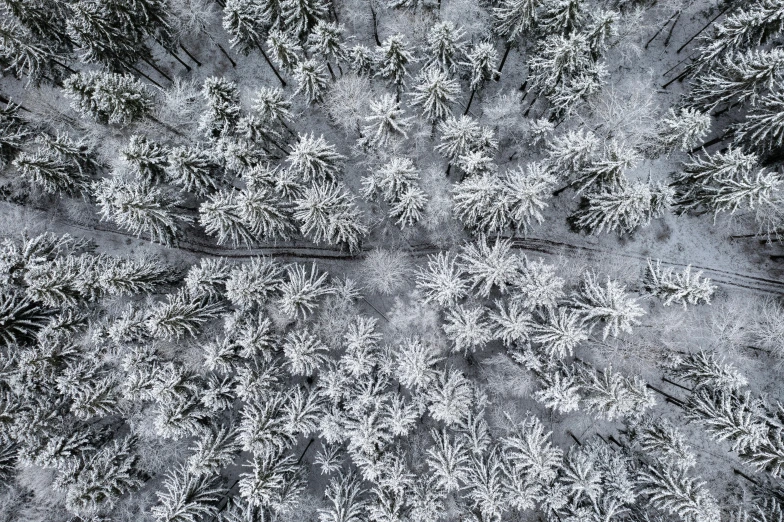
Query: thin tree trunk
{"points": [[669, 397], [151, 64], [375, 23], [136, 70], [680, 77], [174, 55], [668, 71], [672, 27], [529, 107], [165, 126], [64, 66], [662, 28], [448, 169], [193, 58], [470, 99], [668, 381], [708, 143], [266, 58], [233, 63], [703, 28], [305, 450], [573, 436], [506, 54], [331, 72], [739, 472]]}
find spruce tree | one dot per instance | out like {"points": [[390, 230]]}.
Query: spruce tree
{"points": [[195, 169], [137, 207], [311, 80], [433, 94], [442, 281], [46, 170], [467, 329], [181, 314], [392, 57], [763, 127], [285, 50], [107, 97], [301, 16], [491, 266], [609, 304], [684, 129], [221, 215], [148, 160], [315, 160], [681, 288], [327, 213], [527, 191], [672, 490], [513, 17], [300, 293], [386, 122], [187, 498], [445, 45], [623, 209]]}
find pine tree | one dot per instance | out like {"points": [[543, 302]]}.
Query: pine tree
{"points": [[664, 441], [344, 494], [385, 122], [528, 448], [187, 498], [512, 323], [684, 129], [416, 363], [107, 97], [624, 208], [572, 151], [252, 284], [221, 215], [746, 191], [137, 207], [215, 450], [481, 204], [269, 478], [764, 123], [561, 16], [705, 370], [608, 171], [301, 16], [304, 352], [467, 329], [482, 61], [740, 78], [449, 397], [513, 17], [46, 21], [362, 60], [409, 207], [23, 56], [285, 50], [684, 288], [491, 266], [610, 395], [14, 132], [299, 294], [244, 21], [311, 80], [671, 490], [557, 59], [195, 169], [538, 286], [148, 160], [703, 171], [315, 160], [271, 105], [392, 57], [46, 170], [609, 304], [101, 478], [527, 191], [105, 36], [434, 92], [442, 281], [445, 45], [326, 40], [559, 392], [326, 213], [181, 314], [223, 106], [20, 318]]}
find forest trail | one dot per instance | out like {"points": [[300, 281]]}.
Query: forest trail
{"points": [[298, 250]]}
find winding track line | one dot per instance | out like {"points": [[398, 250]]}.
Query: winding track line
{"points": [[542, 246]]}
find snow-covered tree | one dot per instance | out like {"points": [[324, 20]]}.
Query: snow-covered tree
{"points": [[512, 322], [559, 392], [609, 304], [467, 328], [49, 172], [449, 397], [442, 281], [608, 170], [433, 93], [212, 452], [195, 169], [314, 159], [482, 61], [300, 17], [610, 395], [346, 502], [187, 498], [513, 17], [624, 208], [220, 215], [416, 363], [252, 284], [527, 191], [326, 213], [706, 370], [764, 123], [684, 288], [285, 50], [148, 160], [684, 129], [311, 80], [223, 109], [672, 490], [300, 292], [107, 97], [385, 122], [445, 45], [573, 151], [392, 58], [181, 314], [538, 285], [137, 207], [491, 266]]}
